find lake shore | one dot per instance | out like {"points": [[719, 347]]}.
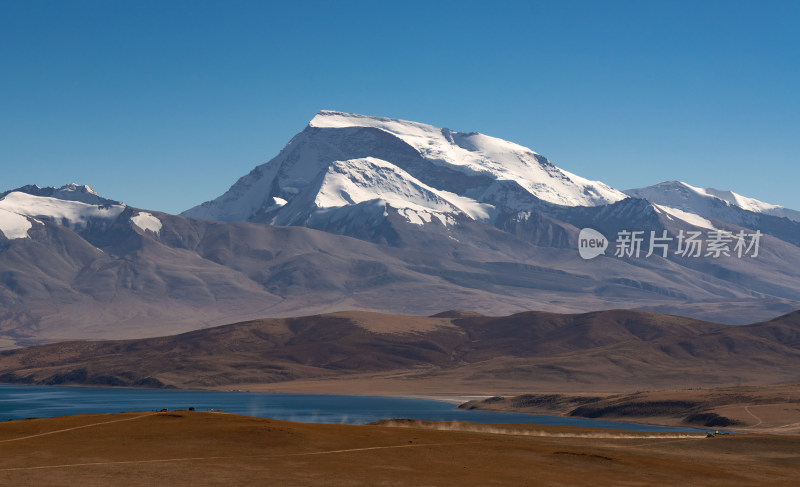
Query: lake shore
{"points": [[768, 409]]}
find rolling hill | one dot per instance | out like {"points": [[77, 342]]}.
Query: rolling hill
{"points": [[600, 351]]}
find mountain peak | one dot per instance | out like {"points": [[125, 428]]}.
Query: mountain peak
{"points": [[79, 188], [69, 192], [73, 205], [336, 119], [707, 202], [466, 169]]}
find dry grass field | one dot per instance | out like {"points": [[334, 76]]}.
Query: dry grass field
{"points": [[198, 448]]}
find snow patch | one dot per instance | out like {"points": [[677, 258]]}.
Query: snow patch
{"points": [[743, 202], [74, 214], [358, 180], [146, 221], [473, 209], [685, 216], [476, 153], [710, 202], [13, 225]]}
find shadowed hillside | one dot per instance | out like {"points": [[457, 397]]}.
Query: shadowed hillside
{"points": [[606, 350]]}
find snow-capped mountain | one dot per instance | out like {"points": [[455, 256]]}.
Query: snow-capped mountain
{"points": [[74, 206], [399, 217], [70, 269], [386, 180], [709, 202], [68, 192], [421, 172]]}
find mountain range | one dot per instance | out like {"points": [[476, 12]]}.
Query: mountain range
{"points": [[371, 213]]}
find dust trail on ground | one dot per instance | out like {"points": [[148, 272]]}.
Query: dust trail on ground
{"points": [[496, 430], [236, 457], [747, 409], [46, 433]]}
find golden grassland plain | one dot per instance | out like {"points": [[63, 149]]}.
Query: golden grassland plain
{"points": [[202, 448]]}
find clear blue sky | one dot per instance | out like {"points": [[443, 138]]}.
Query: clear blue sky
{"points": [[165, 104]]}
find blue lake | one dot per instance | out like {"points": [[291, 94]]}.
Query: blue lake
{"points": [[20, 402]]}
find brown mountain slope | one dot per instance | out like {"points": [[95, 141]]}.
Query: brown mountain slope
{"points": [[113, 280], [606, 350]]}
